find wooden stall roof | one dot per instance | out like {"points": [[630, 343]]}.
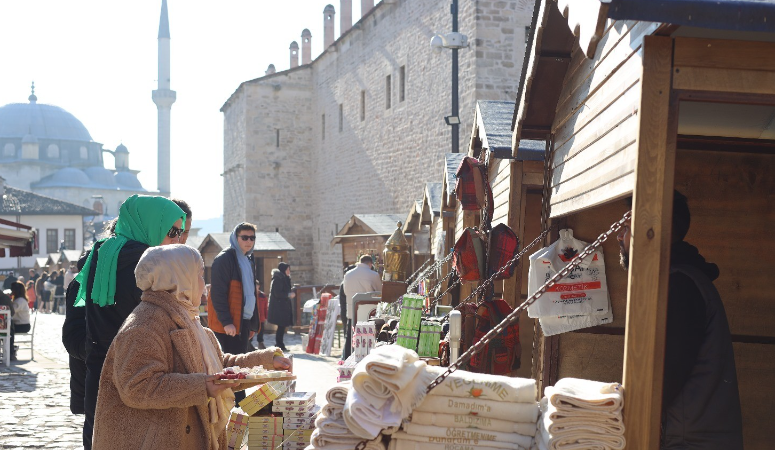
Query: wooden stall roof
{"points": [[373, 224], [265, 241], [431, 201], [493, 129], [414, 218], [195, 241], [69, 256], [451, 163], [40, 262]]}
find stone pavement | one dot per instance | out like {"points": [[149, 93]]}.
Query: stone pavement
{"points": [[35, 394]]}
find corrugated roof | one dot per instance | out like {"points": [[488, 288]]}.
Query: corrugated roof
{"points": [[265, 241], [32, 204], [452, 162], [384, 224], [741, 15]]}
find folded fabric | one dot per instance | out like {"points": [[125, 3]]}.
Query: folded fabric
{"points": [[337, 395], [428, 443], [366, 421], [570, 393], [332, 411], [413, 392], [557, 421], [403, 444], [580, 440], [392, 365], [469, 421], [323, 441], [374, 391], [468, 433], [461, 383], [389, 430], [375, 444], [333, 427], [518, 412]]}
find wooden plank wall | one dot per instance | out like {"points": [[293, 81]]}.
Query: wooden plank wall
{"points": [[500, 181], [596, 121]]}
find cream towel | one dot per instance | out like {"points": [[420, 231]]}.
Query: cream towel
{"points": [[557, 421], [375, 444], [366, 421], [374, 391], [322, 441], [469, 421], [331, 411], [484, 386], [333, 426], [392, 365], [518, 412], [403, 444], [571, 393], [337, 395], [581, 440], [428, 443], [468, 433]]}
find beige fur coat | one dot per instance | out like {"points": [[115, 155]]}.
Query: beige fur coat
{"points": [[153, 391]]}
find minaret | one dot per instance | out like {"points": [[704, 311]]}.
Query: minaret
{"points": [[164, 97]]}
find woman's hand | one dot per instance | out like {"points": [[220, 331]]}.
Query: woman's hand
{"points": [[281, 363], [214, 390]]}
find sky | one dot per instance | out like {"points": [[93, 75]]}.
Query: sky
{"points": [[97, 59]]}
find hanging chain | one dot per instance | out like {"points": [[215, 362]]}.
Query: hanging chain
{"points": [[514, 315], [411, 277], [545, 205], [430, 269]]}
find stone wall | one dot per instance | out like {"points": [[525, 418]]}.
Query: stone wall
{"points": [[378, 164]]}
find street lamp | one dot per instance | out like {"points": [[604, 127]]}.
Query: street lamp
{"points": [[453, 41]]}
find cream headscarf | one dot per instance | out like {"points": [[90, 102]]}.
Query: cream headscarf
{"points": [[177, 269]]}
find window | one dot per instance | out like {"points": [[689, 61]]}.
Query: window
{"points": [[402, 84], [70, 238], [277, 141], [341, 117], [387, 92], [363, 106], [53, 151], [9, 150], [52, 240], [323, 126]]}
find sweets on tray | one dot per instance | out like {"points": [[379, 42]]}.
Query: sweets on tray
{"points": [[250, 373]]}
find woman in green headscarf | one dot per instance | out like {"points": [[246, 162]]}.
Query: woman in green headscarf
{"points": [[107, 287]]}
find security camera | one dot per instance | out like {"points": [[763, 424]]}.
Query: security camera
{"points": [[437, 43]]}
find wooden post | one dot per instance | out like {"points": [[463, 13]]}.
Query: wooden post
{"points": [[650, 249], [511, 286]]}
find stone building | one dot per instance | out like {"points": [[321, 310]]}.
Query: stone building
{"points": [[360, 129]]}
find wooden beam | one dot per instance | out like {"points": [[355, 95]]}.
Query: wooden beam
{"points": [[724, 54], [650, 249], [511, 286], [724, 80]]}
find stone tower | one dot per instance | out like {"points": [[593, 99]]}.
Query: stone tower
{"points": [[328, 25], [164, 97]]}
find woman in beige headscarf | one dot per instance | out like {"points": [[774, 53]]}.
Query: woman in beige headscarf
{"points": [[155, 391]]}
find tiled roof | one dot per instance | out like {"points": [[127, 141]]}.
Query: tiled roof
{"points": [[30, 204], [384, 224], [265, 241]]}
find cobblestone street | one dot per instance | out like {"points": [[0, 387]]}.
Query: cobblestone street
{"points": [[35, 394]]}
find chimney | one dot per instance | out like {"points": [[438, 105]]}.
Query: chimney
{"points": [[328, 25], [346, 17], [270, 70], [306, 47], [294, 54], [366, 6]]}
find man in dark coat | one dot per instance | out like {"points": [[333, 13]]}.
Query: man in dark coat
{"points": [[280, 306], [343, 314], [700, 398], [74, 339]]}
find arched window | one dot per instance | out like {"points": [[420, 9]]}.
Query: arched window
{"points": [[52, 151], [9, 150]]}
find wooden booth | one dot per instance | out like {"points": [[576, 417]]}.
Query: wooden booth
{"points": [[638, 100], [421, 224], [366, 234], [269, 250]]}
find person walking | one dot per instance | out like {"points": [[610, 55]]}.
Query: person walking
{"points": [[157, 388], [280, 307], [40, 291], [107, 289], [231, 309]]}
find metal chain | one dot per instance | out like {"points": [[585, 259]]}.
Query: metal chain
{"points": [[433, 267], [547, 182], [411, 277], [514, 315]]}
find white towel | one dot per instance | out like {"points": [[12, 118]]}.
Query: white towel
{"points": [[404, 444], [469, 421], [374, 391], [444, 442], [332, 411], [518, 412], [337, 395], [570, 393], [468, 433], [392, 365], [365, 420], [557, 421], [484, 386], [333, 426], [581, 440], [323, 441]]}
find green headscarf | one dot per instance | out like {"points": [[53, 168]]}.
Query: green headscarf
{"points": [[142, 218]]}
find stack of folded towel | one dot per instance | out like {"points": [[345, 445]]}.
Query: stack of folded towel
{"points": [[581, 414], [472, 409], [331, 433], [386, 386]]}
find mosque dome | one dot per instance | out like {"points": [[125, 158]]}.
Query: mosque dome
{"points": [[121, 149], [100, 176], [66, 177], [128, 180], [42, 121]]}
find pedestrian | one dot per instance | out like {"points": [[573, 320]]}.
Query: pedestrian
{"points": [[231, 309], [106, 284], [10, 278], [189, 218], [157, 388], [74, 339], [32, 296], [361, 279], [263, 309], [33, 276], [343, 314], [59, 290], [280, 307], [700, 397], [21, 313], [72, 271], [40, 292], [50, 287]]}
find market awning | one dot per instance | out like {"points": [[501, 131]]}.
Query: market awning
{"points": [[19, 239]]}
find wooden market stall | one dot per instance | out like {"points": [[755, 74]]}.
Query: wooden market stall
{"points": [[421, 223], [269, 250], [365, 234], [638, 100], [446, 232]]}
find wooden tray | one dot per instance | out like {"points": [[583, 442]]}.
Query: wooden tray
{"points": [[250, 382]]}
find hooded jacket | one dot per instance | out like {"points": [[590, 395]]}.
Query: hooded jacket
{"points": [[700, 398], [280, 306], [225, 301]]}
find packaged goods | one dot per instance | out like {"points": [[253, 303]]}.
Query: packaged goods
{"points": [[262, 396]]}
